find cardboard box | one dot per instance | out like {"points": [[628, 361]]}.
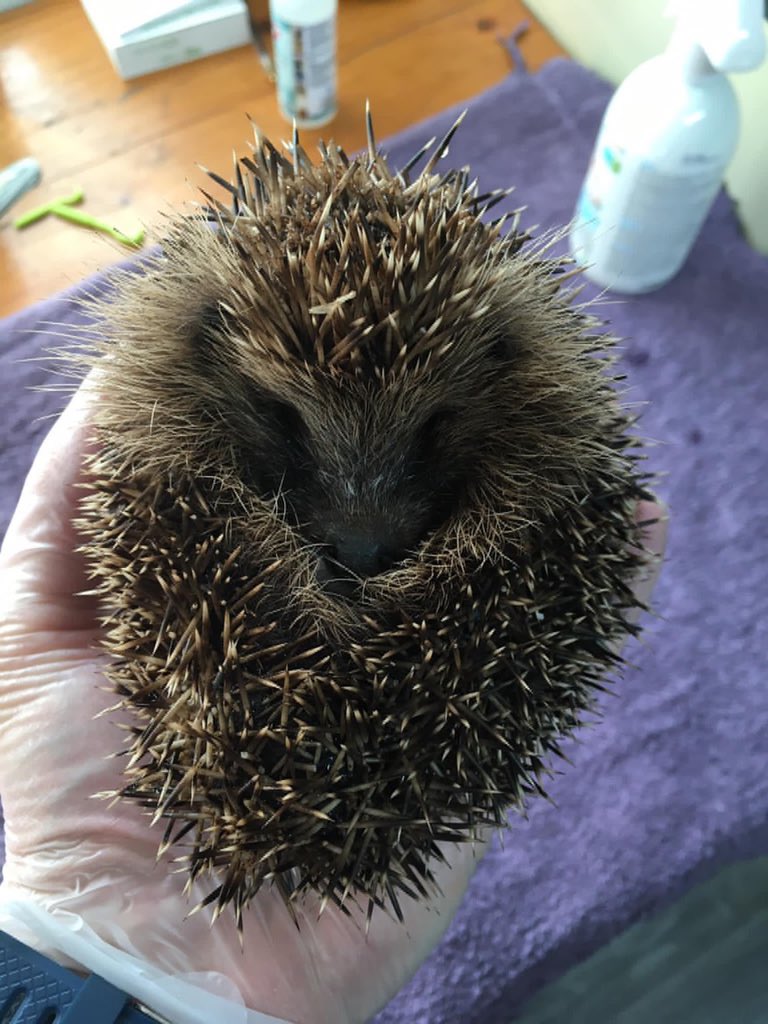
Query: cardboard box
{"points": [[144, 36]]}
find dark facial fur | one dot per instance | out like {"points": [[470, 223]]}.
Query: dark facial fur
{"points": [[363, 470], [365, 499]]}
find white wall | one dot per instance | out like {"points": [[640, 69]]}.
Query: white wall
{"points": [[614, 36]]}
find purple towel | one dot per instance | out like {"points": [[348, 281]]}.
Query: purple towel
{"points": [[672, 783]]}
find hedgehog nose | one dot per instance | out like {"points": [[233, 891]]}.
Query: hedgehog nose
{"points": [[351, 557], [360, 551]]}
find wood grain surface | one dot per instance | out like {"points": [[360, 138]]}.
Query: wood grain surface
{"points": [[133, 146]]}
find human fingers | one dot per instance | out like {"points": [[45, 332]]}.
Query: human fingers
{"points": [[40, 567]]}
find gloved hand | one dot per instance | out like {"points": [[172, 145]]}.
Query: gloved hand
{"points": [[87, 870]]}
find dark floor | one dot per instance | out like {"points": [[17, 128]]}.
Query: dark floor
{"points": [[703, 961]]}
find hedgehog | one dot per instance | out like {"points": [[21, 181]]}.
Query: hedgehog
{"points": [[361, 516]]}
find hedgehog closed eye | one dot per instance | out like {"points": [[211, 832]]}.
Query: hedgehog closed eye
{"points": [[271, 438], [438, 421]]}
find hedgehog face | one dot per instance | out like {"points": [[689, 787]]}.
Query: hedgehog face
{"points": [[366, 492], [364, 471]]}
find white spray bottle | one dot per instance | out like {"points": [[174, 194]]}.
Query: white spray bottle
{"points": [[666, 139]]}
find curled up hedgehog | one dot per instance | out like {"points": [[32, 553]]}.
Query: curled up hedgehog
{"points": [[362, 519]]}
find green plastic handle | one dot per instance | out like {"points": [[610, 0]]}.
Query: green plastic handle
{"points": [[42, 211], [88, 221]]}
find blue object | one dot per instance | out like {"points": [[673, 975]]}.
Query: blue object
{"points": [[35, 990], [15, 180]]}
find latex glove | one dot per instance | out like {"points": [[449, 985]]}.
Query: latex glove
{"points": [[86, 870]]}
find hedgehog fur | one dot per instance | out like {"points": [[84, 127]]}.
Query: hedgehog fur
{"points": [[362, 519]]}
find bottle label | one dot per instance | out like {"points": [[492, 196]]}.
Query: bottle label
{"points": [[305, 65], [636, 223]]}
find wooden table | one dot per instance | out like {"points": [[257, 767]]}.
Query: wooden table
{"points": [[132, 146]]}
